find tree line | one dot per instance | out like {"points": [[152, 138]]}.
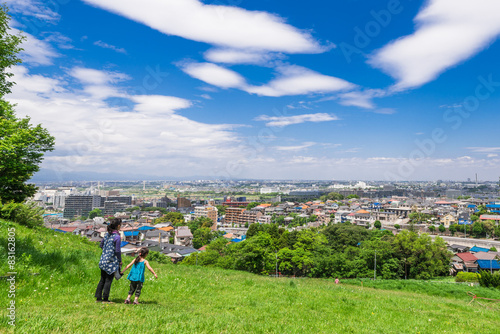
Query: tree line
{"points": [[338, 250]]}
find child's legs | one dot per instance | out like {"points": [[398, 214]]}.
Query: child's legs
{"points": [[138, 290], [133, 288]]}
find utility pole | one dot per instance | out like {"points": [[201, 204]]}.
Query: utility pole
{"points": [[405, 270], [276, 274]]}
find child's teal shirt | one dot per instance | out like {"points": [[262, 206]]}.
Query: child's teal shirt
{"points": [[137, 272]]}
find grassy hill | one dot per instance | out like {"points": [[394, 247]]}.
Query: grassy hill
{"points": [[58, 274]]}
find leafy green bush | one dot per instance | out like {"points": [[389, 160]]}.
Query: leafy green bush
{"points": [[489, 280], [159, 257], [27, 214], [467, 277]]}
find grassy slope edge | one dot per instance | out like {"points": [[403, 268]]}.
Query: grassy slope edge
{"points": [[187, 299]]}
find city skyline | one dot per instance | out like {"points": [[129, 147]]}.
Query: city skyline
{"points": [[398, 90]]}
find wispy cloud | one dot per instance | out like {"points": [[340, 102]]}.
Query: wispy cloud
{"points": [[291, 80], [93, 135], [295, 148], [35, 8], [297, 80], [109, 46], [447, 33], [62, 41], [225, 26], [281, 121], [37, 52], [361, 98], [484, 149], [232, 56], [214, 75]]}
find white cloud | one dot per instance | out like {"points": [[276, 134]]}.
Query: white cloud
{"points": [[295, 148], [97, 77], [109, 46], [447, 33], [150, 138], [361, 98], [232, 56], [63, 42], [206, 96], [280, 121], [225, 26], [385, 111], [296, 80], [159, 104], [484, 149], [214, 75], [36, 52], [34, 8]]}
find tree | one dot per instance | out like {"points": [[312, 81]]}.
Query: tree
{"points": [[377, 224], [95, 213], [253, 230], [199, 223], [441, 228], [453, 228], [203, 236], [352, 196], [252, 205], [176, 218], [221, 210], [489, 227], [22, 145], [9, 50], [397, 226], [332, 196], [477, 228]]}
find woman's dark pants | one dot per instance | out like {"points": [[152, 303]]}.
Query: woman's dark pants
{"points": [[104, 286]]}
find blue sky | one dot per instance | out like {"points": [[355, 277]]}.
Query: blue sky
{"points": [[392, 90]]}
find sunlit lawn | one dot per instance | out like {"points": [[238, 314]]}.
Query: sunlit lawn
{"points": [[188, 299]]}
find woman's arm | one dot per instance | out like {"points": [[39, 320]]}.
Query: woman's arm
{"points": [[118, 247], [150, 269]]}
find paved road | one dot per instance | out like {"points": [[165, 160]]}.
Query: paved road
{"points": [[469, 242]]}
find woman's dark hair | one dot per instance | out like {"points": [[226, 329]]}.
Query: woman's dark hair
{"points": [[114, 224], [143, 252]]}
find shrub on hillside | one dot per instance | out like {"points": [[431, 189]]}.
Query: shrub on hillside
{"points": [[467, 277], [159, 257], [27, 214], [489, 280]]}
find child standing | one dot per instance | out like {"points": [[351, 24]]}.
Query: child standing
{"points": [[136, 275]]}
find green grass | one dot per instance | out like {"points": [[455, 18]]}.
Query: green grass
{"points": [[435, 287], [189, 299]]}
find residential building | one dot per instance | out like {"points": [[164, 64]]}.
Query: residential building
{"points": [[207, 211], [112, 207], [76, 205], [232, 215], [183, 236], [183, 202], [448, 220]]}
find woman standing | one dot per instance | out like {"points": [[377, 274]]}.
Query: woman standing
{"points": [[111, 260]]}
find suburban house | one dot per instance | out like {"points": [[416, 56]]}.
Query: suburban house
{"points": [[183, 236]]}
